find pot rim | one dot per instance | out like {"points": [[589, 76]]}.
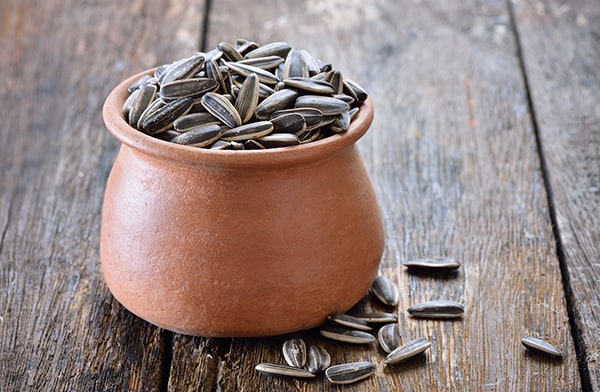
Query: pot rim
{"points": [[188, 155]]}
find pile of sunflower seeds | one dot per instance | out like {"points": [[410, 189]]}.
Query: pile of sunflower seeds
{"points": [[244, 96]]}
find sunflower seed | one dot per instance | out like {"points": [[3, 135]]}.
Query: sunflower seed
{"points": [[160, 70], [541, 346], [280, 49], [282, 99], [164, 117], [327, 105], [448, 263], [279, 140], [311, 63], [407, 351], [294, 65], [199, 137], [229, 51], [253, 130], [273, 369], [220, 107], [167, 135], [341, 123], [263, 62], [289, 123], [309, 85], [350, 321], [353, 113], [214, 72], [437, 309], [337, 81], [141, 103], [378, 318], [312, 117], [311, 136], [244, 46], [385, 290], [195, 120], [347, 335], [245, 70], [247, 99], [353, 89], [294, 352], [182, 69], [348, 373], [318, 359], [129, 103], [153, 107], [194, 88], [139, 82], [389, 337]]}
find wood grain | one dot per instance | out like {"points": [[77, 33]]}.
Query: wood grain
{"points": [[560, 43], [453, 156], [60, 329]]}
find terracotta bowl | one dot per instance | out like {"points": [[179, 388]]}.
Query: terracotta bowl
{"points": [[238, 243]]}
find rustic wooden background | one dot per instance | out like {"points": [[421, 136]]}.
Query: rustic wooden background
{"points": [[485, 147]]}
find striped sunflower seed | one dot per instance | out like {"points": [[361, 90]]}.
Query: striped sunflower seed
{"points": [[266, 63], [129, 103], [350, 321], [378, 318], [541, 346], [141, 103], [385, 290], [274, 140], [294, 352], [441, 263], [220, 145], [280, 49], [318, 359], [327, 105], [253, 130], [311, 63], [244, 46], [246, 70], [349, 373], [347, 335], [220, 107], [252, 144], [312, 117], [294, 65], [213, 72], [389, 337], [406, 351], [355, 90], [336, 79], [289, 123], [163, 118], [273, 369], [309, 85], [195, 120], [437, 309], [182, 69], [341, 123], [199, 137], [353, 113], [247, 99], [194, 87], [139, 82], [280, 100], [229, 51]]}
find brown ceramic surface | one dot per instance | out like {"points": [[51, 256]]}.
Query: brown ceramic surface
{"points": [[238, 243]]}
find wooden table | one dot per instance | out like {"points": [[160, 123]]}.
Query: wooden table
{"points": [[485, 147]]}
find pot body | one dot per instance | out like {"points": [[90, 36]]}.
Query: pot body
{"points": [[238, 250]]}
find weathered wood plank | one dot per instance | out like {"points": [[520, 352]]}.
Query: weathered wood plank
{"points": [[453, 156], [560, 42], [59, 327]]}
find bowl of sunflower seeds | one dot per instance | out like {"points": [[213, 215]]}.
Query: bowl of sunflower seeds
{"points": [[238, 204]]}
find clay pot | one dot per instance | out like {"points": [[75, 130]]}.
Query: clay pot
{"points": [[238, 243]]}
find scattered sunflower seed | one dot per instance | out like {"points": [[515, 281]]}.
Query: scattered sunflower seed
{"points": [[407, 351], [347, 335], [378, 318], [350, 322], [448, 263], [294, 352], [349, 373], [389, 337], [385, 290], [437, 309], [318, 359], [541, 346], [273, 369]]}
